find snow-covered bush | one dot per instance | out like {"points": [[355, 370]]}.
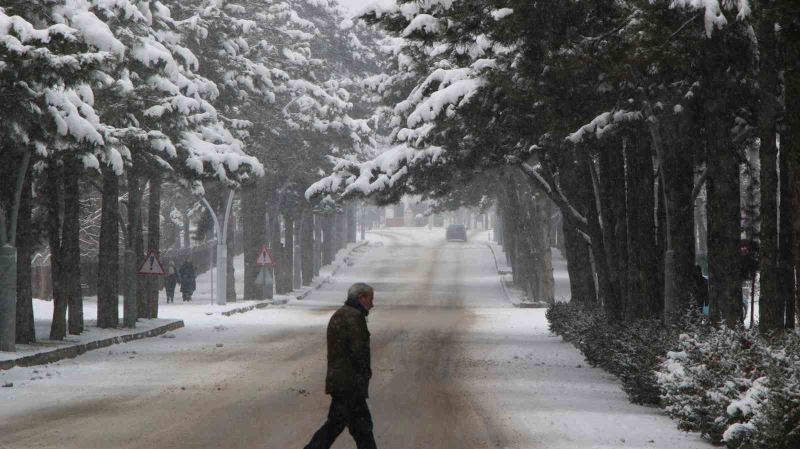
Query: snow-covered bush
{"points": [[711, 369], [735, 387], [771, 407]]}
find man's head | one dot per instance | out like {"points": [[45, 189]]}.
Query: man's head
{"points": [[361, 292]]}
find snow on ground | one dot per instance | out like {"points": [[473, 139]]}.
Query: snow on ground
{"points": [[543, 386], [452, 361]]}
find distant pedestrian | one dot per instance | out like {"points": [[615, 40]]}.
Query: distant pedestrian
{"points": [[349, 372], [188, 277], [171, 281]]}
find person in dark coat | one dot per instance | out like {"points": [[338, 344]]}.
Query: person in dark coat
{"points": [[349, 372], [171, 281], [188, 277]]}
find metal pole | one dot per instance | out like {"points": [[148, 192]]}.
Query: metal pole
{"points": [[220, 298], [268, 284], [222, 255]]}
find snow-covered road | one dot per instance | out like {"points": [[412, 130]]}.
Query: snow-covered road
{"points": [[455, 367]]}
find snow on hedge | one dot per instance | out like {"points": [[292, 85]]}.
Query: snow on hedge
{"points": [[714, 10]]}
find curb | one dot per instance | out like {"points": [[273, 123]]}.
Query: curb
{"points": [[506, 293], [333, 273], [71, 352], [261, 305], [281, 301], [521, 304]]}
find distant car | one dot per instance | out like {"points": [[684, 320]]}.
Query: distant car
{"points": [[456, 232]]}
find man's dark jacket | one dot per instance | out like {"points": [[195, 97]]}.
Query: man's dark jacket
{"points": [[349, 368]]}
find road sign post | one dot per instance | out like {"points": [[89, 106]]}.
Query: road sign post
{"points": [[151, 265], [266, 262]]}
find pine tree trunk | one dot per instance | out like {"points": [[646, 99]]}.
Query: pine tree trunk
{"points": [[108, 253], [724, 215], [187, 231], [351, 222], [307, 246], [545, 265], [677, 181], [790, 148], [254, 211], [136, 236], [579, 264], [786, 281], [341, 232], [327, 242], [771, 306], [58, 327], [288, 253], [71, 256], [723, 184], [608, 240], [297, 259], [317, 243], [25, 330], [154, 241], [644, 290]]}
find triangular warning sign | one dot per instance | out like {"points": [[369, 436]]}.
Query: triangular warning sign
{"points": [[151, 265], [265, 257]]}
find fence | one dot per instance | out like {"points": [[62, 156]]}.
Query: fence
{"points": [[203, 257]]}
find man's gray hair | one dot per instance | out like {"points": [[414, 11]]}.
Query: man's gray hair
{"points": [[358, 289]]}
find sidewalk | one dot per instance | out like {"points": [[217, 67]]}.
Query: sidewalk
{"points": [[172, 316], [515, 294]]}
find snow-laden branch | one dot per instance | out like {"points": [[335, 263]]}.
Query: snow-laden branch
{"points": [[604, 123], [374, 176], [553, 191]]}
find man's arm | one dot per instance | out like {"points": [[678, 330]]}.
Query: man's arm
{"points": [[359, 346]]}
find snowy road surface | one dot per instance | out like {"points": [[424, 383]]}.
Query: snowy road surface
{"points": [[455, 367]]}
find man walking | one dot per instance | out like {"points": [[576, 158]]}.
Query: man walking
{"points": [[349, 372]]}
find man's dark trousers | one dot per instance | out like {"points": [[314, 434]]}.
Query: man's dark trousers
{"points": [[349, 411]]}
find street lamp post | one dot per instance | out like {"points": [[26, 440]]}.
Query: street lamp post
{"points": [[222, 249]]}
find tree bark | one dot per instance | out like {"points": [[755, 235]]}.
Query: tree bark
{"points": [[645, 298], [54, 197], [786, 278], [790, 159], [724, 215], [154, 241], [351, 222], [25, 330], [71, 246], [136, 236], [579, 265], [307, 246], [317, 243], [608, 238], [677, 180], [254, 211], [328, 245], [771, 305], [108, 253], [288, 253]]}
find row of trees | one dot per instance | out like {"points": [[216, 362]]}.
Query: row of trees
{"points": [[130, 100], [622, 113]]}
